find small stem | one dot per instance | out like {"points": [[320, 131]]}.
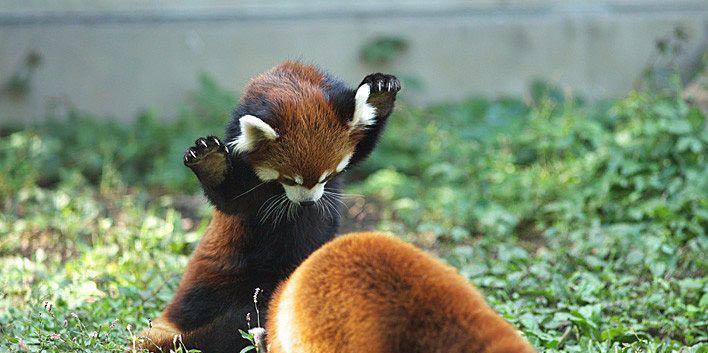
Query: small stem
{"points": [[255, 303], [564, 336]]}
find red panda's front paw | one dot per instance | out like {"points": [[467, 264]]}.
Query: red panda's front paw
{"points": [[203, 148], [208, 158], [378, 91], [382, 83]]}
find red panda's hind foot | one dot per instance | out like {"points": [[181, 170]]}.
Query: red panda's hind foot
{"points": [[161, 336], [208, 159]]}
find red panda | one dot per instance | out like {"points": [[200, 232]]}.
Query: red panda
{"points": [[275, 183], [367, 292]]}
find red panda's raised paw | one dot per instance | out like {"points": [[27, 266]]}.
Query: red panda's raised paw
{"points": [[203, 147], [208, 158], [379, 91], [382, 83]]}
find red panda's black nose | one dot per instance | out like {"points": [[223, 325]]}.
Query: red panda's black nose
{"points": [[307, 203]]}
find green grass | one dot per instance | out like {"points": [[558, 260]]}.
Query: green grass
{"points": [[583, 223]]}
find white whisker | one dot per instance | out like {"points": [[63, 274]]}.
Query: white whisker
{"points": [[276, 200], [292, 210], [282, 203], [249, 190], [288, 212], [341, 194], [337, 198], [281, 211], [323, 203], [266, 204], [329, 199], [332, 208]]}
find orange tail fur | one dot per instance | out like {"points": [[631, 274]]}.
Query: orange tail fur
{"points": [[367, 292]]}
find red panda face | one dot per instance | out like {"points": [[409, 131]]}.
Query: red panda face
{"points": [[305, 147]]}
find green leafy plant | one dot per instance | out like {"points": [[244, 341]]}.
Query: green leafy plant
{"points": [[20, 81], [382, 50]]}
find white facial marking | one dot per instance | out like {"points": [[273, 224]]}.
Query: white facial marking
{"points": [[252, 131], [344, 162], [323, 176], [364, 113], [266, 174], [298, 179], [286, 320], [299, 193]]}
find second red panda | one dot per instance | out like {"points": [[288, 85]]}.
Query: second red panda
{"points": [[366, 292]]}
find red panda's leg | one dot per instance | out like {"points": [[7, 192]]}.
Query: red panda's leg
{"points": [[160, 337], [378, 91], [222, 177]]}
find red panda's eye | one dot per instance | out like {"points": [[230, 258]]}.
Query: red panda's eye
{"points": [[289, 182], [329, 177]]}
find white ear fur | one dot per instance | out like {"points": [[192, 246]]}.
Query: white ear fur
{"points": [[252, 131], [364, 113]]}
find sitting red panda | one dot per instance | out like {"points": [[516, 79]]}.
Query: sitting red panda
{"points": [[366, 292], [275, 184]]}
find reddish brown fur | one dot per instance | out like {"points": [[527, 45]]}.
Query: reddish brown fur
{"points": [[366, 292], [313, 139], [220, 241]]}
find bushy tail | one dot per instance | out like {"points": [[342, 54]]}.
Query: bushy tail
{"points": [[498, 336]]}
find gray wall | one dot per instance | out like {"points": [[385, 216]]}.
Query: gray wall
{"points": [[116, 59]]}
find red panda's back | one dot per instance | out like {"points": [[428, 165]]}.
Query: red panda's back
{"points": [[374, 293]]}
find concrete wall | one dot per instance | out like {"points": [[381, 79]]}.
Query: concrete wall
{"points": [[116, 59]]}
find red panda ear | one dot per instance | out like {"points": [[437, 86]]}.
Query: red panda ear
{"points": [[253, 130], [364, 113]]}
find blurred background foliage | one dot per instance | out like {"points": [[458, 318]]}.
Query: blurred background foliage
{"points": [[583, 222]]}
